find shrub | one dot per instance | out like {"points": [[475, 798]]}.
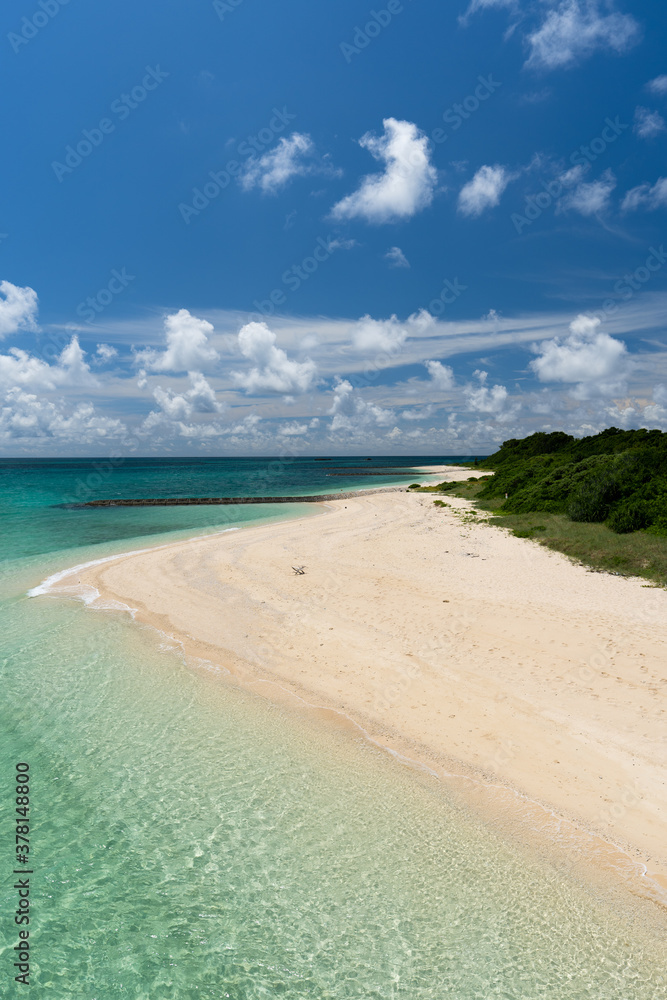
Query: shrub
{"points": [[628, 517]]}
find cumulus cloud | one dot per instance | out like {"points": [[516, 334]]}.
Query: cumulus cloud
{"points": [[658, 85], [106, 352], [587, 356], [26, 417], [294, 156], [589, 198], [656, 413], [19, 368], [646, 196], [484, 190], [352, 414], [272, 370], [388, 335], [18, 308], [396, 257], [199, 398], [293, 429], [379, 335], [483, 398], [187, 349], [575, 30], [442, 376], [407, 184], [648, 123]]}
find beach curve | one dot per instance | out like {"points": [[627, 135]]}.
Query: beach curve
{"points": [[446, 640]]}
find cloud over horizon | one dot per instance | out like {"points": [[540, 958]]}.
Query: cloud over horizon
{"points": [[272, 371]]}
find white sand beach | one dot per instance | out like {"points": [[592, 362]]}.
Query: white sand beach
{"points": [[448, 640]]}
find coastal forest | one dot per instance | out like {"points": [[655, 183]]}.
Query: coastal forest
{"points": [[617, 477]]}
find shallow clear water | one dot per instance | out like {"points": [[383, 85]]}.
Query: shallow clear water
{"points": [[193, 840], [36, 495]]}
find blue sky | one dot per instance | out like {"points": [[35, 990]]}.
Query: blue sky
{"points": [[237, 227]]}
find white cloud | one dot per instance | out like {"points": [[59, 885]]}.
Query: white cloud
{"points": [[18, 368], [72, 368], [272, 370], [656, 413], [18, 308], [396, 257], [587, 355], [646, 196], [484, 190], [577, 29], [293, 430], [248, 427], [106, 352], [26, 417], [419, 414], [487, 399], [292, 157], [202, 395], [352, 414], [589, 198], [340, 244], [379, 335], [389, 335], [199, 398], [188, 348], [477, 5], [407, 184], [658, 85], [442, 376], [648, 123]]}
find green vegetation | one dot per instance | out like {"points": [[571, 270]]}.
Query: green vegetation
{"points": [[617, 477], [601, 500]]}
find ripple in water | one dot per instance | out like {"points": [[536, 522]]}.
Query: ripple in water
{"points": [[192, 840]]}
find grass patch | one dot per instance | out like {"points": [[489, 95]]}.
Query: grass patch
{"points": [[638, 553]]}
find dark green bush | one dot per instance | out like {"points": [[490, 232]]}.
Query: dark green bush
{"points": [[628, 517], [619, 477]]}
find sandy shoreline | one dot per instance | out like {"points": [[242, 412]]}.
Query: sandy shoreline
{"points": [[467, 649]]}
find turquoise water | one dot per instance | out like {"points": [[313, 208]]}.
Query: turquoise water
{"points": [[192, 840]]}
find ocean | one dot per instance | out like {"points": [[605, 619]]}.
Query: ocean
{"points": [[189, 839]]}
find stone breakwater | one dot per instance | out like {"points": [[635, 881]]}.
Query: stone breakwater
{"points": [[188, 501]]}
